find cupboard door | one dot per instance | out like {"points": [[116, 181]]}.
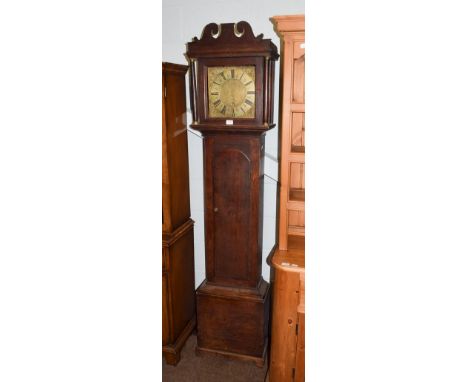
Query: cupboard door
{"points": [[299, 375]]}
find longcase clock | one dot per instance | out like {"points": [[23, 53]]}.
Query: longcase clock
{"points": [[231, 78]]}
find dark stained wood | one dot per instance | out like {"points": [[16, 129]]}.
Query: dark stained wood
{"points": [[226, 45], [233, 302], [178, 300], [231, 191], [166, 329], [176, 196], [179, 249], [233, 209], [234, 321], [235, 40]]}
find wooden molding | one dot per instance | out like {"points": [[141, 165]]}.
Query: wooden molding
{"points": [[289, 23]]}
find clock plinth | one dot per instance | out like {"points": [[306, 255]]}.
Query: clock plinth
{"points": [[234, 321], [232, 74]]}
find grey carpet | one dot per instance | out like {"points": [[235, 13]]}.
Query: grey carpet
{"points": [[210, 368]]}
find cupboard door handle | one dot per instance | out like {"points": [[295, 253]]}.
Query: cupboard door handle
{"points": [[216, 209]]}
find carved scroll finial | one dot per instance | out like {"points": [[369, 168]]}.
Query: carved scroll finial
{"points": [[211, 31], [232, 38], [216, 35], [241, 30], [236, 31]]}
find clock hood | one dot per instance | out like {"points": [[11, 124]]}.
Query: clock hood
{"points": [[231, 40]]}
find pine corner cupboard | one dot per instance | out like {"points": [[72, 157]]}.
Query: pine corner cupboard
{"points": [[287, 354], [178, 292]]}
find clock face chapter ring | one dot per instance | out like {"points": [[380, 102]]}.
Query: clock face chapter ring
{"points": [[231, 92]]}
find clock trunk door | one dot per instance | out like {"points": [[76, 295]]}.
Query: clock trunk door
{"points": [[232, 206]]}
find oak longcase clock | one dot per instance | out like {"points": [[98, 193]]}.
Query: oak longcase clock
{"points": [[231, 80]]}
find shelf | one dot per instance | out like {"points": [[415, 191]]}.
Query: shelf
{"points": [[297, 194], [296, 242], [297, 137], [296, 222], [293, 258], [297, 149]]}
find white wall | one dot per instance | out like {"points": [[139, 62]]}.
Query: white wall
{"points": [[185, 19]]}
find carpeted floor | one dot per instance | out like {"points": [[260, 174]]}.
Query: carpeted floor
{"points": [[210, 368]]}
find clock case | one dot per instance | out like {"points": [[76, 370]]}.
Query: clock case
{"points": [[233, 301]]}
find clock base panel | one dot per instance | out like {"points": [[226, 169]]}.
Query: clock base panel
{"points": [[259, 361], [233, 321]]}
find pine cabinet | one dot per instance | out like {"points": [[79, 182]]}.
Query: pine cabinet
{"points": [[288, 311]]}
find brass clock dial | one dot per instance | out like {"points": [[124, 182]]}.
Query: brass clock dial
{"points": [[231, 92]]}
